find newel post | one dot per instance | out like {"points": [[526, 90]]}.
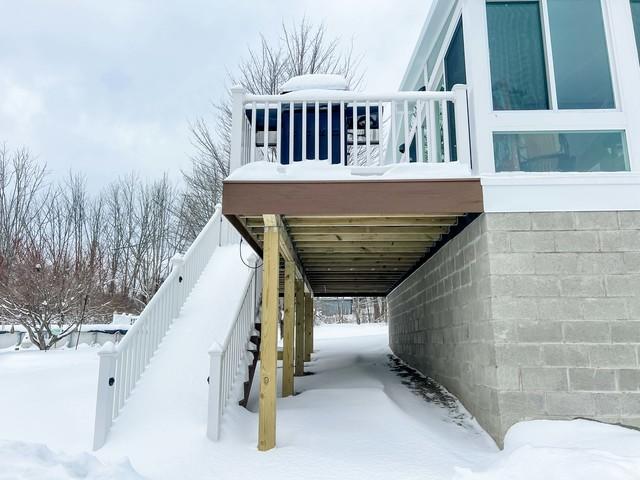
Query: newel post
{"points": [[215, 393], [106, 391], [463, 143], [237, 109]]}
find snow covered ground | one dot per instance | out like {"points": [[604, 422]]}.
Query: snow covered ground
{"points": [[353, 418]]}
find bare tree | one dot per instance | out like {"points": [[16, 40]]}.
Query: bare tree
{"points": [[21, 181], [302, 48]]}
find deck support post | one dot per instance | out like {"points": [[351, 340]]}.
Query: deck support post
{"points": [[300, 324], [308, 327], [269, 334], [289, 329]]}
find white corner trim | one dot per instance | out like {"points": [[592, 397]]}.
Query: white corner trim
{"points": [[558, 192]]}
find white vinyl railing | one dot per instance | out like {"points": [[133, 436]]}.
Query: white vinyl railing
{"points": [[122, 365], [229, 361], [351, 128]]}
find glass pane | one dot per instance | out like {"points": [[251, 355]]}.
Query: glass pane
{"points": [[561, 152], [455, 73], [635, 13], [433, 56], [580, 57], [518, 70]]}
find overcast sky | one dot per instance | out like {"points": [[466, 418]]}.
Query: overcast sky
{"points": [[106, 87]]}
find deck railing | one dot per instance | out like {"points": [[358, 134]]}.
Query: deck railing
{"points": [[351, 128], [229, 360], [122, 365]]}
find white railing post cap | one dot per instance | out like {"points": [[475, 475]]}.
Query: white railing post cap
{"points": [[238, 89], [107, 349], [215, 349]]}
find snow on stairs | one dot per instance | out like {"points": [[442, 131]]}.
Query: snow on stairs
{"points": [[172, 394]]}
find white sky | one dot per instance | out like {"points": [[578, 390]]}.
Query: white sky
{"points": [[107, 87]]}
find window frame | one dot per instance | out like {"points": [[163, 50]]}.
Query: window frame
{"points": [[549, 61]]}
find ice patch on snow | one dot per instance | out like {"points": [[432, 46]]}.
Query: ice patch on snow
{"points": [[28, 461]]}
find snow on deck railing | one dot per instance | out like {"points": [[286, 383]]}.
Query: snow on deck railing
{"points": [[351, 128], [229, 361], [121, 366]]}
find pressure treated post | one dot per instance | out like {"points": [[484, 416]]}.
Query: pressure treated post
{"points": [[308, 327], [289, 328], [300, 340], [269, 333]]}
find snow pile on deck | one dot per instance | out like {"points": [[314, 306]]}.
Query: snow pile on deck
{"points": [[318, 81], [28, 461], [578, 449], [310, 170]]}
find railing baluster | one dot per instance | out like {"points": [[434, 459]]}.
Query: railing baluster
{"points": [[407, 144], [343, 145], [432, 133], [316, 141], [419, 134], [381, 137], [329, 133], [354, 147], [304, 131], [445, 130], [278, 130], [254, 126], [367, 130], [291, 131], [265, 145], [394, 132]]}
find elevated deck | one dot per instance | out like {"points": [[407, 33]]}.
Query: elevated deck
{"points": [[355, 238]]}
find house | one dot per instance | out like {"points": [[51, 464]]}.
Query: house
{"points": [[494, 201]]}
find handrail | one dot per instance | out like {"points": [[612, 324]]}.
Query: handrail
{"points": [[229, 360], [121, 366], [346, 96]]}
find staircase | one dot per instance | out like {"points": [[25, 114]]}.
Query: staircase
{"points": [[212, 317], [254, 352]]}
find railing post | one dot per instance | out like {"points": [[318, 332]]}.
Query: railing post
{"points": [[215, 400], [238, 94], [106, 391], [461, 106]]}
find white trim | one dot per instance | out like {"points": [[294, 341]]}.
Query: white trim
{"points": [[560, 192]]}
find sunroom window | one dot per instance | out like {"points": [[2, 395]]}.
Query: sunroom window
{"points": [[601, 151], [635, 13], [580, 56], [526, 47], [518, 70]]}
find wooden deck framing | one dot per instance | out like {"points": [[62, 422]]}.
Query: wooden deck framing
{"points": [[355, 238]]}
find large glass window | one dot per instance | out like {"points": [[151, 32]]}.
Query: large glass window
{"points": [[635, 13], [516, 46], [580, 56], [603, 151], [455, 73]]}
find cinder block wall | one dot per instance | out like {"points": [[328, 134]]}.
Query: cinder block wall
{"points": [[561, 299], [440, 323]]}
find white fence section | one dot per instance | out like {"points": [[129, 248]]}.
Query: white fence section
{"points": [[122, 365], [229, 361], [402, 127]]}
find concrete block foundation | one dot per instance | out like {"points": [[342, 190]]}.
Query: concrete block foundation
{"points": [[529, 315]]}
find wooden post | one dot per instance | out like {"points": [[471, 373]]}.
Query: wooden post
{"points": [[308, 327], [300, 340], [289, 328], [269, 333]]}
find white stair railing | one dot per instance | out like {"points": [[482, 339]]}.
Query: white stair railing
{"points": [[229, 361], [122, 365]]}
